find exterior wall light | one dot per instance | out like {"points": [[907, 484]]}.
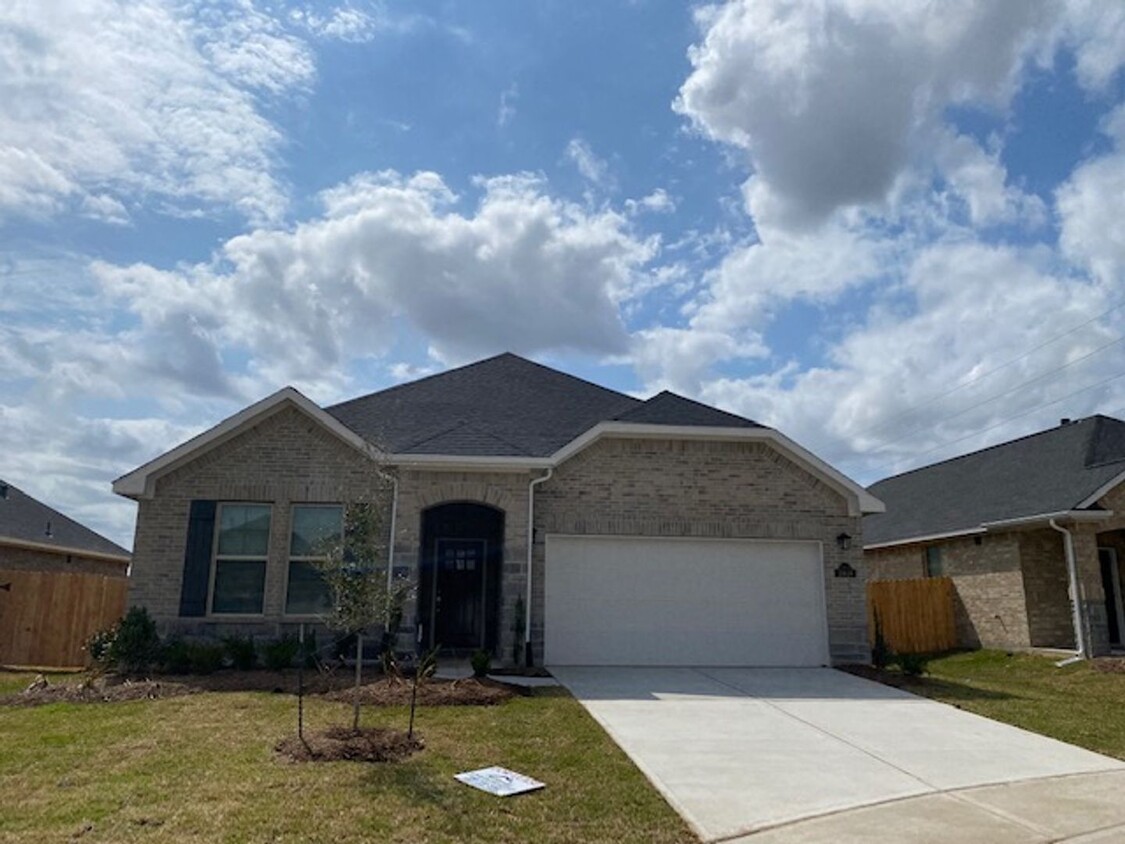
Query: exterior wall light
{"points": [[843, 541]]}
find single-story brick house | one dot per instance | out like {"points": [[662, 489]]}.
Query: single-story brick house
{"points": [[36, 537], [539, 513], [1032, 533]]}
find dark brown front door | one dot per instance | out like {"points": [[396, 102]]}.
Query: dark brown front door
{"points": [[1111, 585], [459, 592]]}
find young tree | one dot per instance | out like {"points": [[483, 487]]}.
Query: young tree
{"points": [[355, 569]]}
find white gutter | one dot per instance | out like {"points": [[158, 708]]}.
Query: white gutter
{"points": [[528, 658], [391, 549], [1001, 524], [1075, 604]]}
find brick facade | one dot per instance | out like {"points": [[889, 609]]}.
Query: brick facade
{"points": [[29, 559], [705, 489], [989, 606], [624, 487]]}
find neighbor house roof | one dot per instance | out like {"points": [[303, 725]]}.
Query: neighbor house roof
{"points": [[508, 406], [1055, 471], [30, 523]]}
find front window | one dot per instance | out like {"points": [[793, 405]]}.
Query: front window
{"points": [[933, 561], [241, 549], [313, 527]]}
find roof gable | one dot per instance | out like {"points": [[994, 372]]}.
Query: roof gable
{"points": [[1052, 471], [515, 406], [139, 483], [26, 520], [666, 408]]}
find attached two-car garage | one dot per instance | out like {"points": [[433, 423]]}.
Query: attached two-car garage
{"points": [[661, 601]]}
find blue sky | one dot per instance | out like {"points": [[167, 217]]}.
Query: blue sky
{"points": [[896, 231]]}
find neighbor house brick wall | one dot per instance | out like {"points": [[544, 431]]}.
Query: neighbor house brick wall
{"points": [[989, 605], [284, 459], [1047, 588], [899, 562], [692, 488], [29, 559]]}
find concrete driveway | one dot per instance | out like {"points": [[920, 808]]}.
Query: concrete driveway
{"points": [[741, 750]]}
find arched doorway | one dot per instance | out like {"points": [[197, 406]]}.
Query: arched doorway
{"points": [[461, 557]]}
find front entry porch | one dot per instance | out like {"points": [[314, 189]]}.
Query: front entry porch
{"points": [[461, 560]]}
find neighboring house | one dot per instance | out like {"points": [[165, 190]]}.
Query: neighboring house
{"points": [[59, 583], [1013, 525], [34, 537], [656, 532]]}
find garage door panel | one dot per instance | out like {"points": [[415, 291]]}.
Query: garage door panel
{"points": [[641, 601]]}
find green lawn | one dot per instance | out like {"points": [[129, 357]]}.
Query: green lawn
{"points": [[1076, 704], [201, 769]]}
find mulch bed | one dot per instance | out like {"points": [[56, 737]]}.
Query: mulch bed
{"points": [[337, 687], [1109, 664], [99, 690], [368, 744], [433, 692]]}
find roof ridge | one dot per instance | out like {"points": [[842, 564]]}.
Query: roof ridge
{"points": [[473, 364], [424, 378], [1054, 429]]}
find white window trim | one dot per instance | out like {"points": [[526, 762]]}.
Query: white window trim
{"points": [[290, 558], [236, 558]]}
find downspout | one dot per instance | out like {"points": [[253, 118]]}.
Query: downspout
{"points": [[1080, 651], [391, 549], [528, 656]]}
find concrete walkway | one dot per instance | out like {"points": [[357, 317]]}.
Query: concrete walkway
{"points": [[738, 751]]}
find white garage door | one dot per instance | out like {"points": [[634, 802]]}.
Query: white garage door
{"points": [[640, 601]]}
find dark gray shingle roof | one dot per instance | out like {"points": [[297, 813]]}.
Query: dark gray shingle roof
{"points": [[25, 519], [506, 406], [670, 409], [1047, 472]]}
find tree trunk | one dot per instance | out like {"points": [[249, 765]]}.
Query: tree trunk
{"points": [[358, 681]]}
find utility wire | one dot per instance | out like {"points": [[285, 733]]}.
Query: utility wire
{"points": [[1006, 420], [1014, 389], [962, 385]]}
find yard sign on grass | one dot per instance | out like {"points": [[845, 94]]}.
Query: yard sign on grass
{"points": [[499, 781]]}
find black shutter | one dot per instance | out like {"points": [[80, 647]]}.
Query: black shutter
{"points": [[197, 558]]}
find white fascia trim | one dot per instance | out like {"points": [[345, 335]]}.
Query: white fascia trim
{"points": [[454, 462], [140, 482], [999, 525], [13, 542], [929, 537], [859, 499], [1045, 518], [1101, 491]]}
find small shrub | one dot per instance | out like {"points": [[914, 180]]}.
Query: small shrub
{"points": [[98, 645], [279, 654], [388, 661], [175, 657], [241, 652], [204, 657], [913, 665], [133, 646], [481, 661]]}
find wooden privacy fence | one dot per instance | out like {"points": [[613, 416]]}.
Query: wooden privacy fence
{"points": [[46, 617], [916, 615]]}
